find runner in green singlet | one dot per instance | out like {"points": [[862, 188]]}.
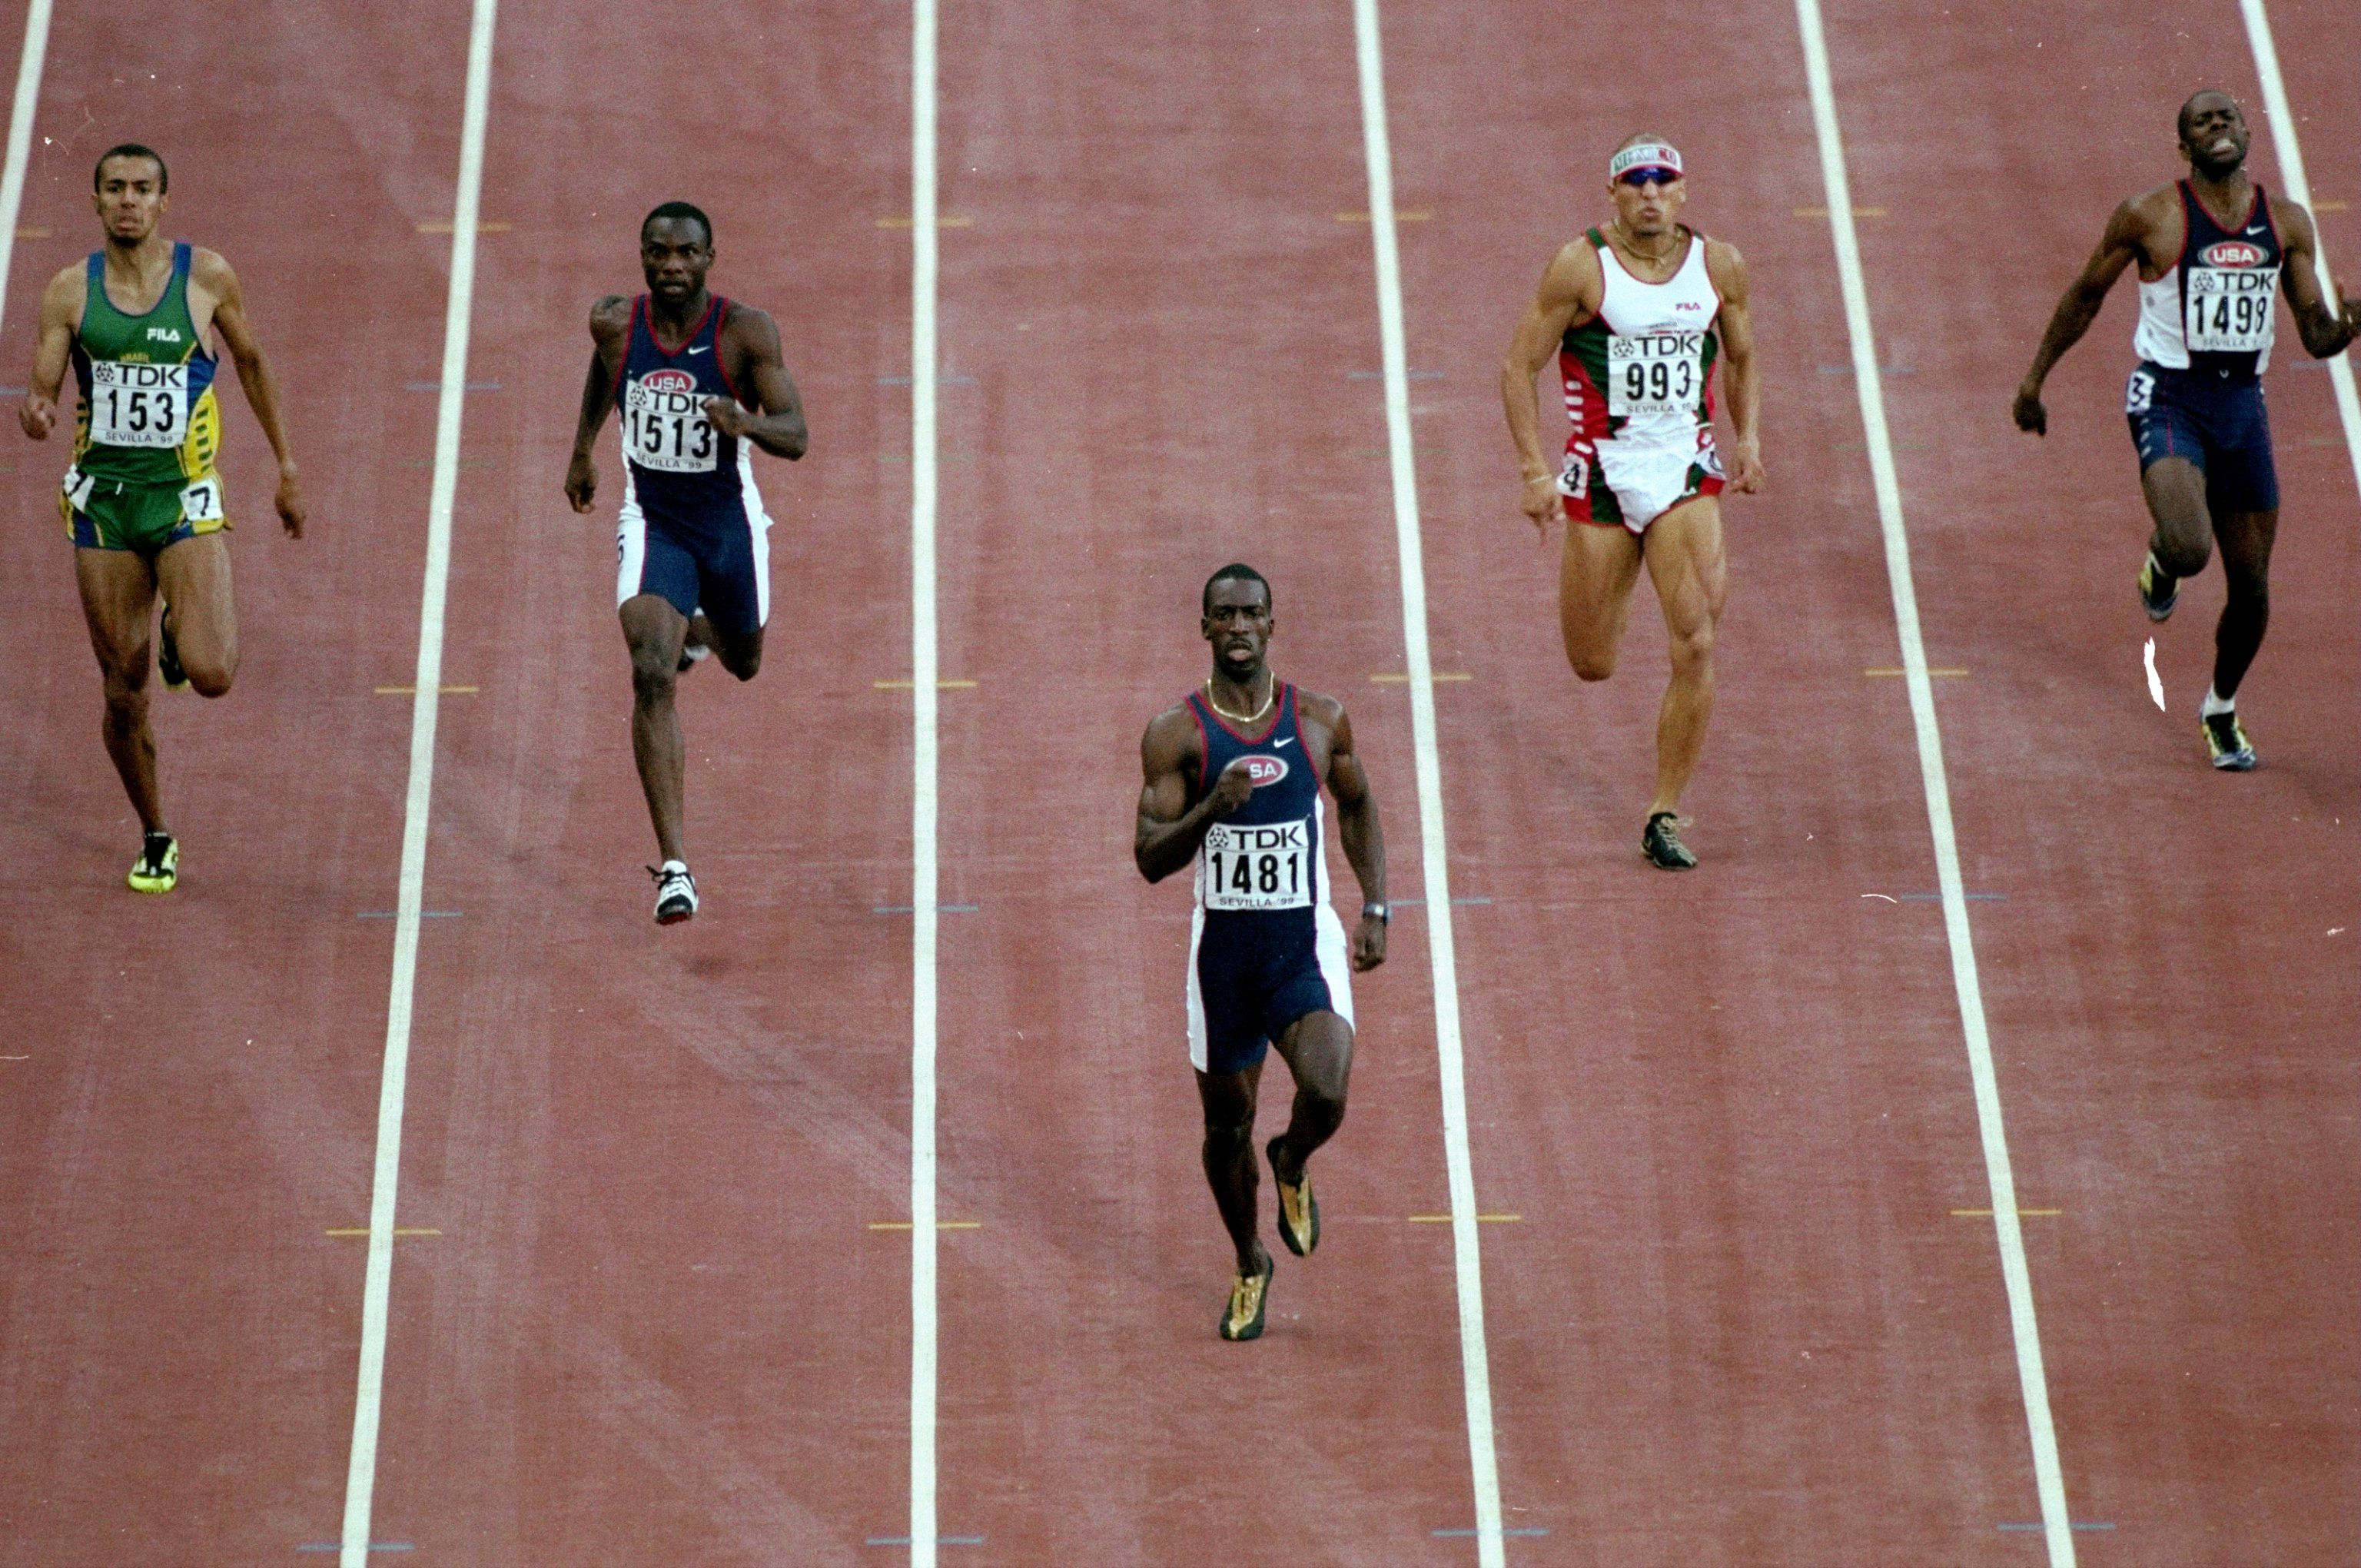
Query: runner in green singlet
{"points": [[141, 501]]}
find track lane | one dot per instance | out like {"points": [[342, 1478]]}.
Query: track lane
{"points": [[183, 1133], [1739, 1321], [656, 1325], [1161, 347], [2200, 1344]]}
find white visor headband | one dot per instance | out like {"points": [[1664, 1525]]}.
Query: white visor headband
{"points": [[1647, 155]]}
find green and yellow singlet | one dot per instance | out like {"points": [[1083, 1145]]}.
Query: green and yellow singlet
{"points": [[149, 426]]}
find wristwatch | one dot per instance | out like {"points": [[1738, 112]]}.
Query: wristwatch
{"points": [[1377, 909]]}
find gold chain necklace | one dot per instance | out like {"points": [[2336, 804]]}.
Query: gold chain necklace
{"points": [[1244, 718]]}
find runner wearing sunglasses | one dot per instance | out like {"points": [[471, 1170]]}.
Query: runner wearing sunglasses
{"points": [[1636, 313]]}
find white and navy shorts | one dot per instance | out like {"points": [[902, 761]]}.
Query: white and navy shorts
{"points": [[1253, 974]]}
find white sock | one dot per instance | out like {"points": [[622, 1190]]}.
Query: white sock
{"points": [[2213, 706], [671, 866]]}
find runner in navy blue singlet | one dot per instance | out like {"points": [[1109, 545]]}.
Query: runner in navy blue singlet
{"points": [[1233, 779], [2213, 250], [700, 384]]}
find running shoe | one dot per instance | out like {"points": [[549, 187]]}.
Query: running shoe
{"points": [[1664, 846], [2159, 590], [159, 865], [1299, 1211], [1248, 1294], [690, 652], [168, 657], [2226, 739], [675, 892]]}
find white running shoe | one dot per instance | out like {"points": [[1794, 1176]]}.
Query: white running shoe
{"points": [[675, 892]]}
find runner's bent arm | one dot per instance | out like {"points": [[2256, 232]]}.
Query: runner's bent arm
{"points": [[2123, 244], [1357, 829], [610, 322], [2325, 328], [1170, 830], [1744, 377], [60, 313], [779, 429], [1569, 292], [208, 271]]}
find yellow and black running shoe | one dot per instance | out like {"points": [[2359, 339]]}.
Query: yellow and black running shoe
{"points": [[2158, 590], [1662, 846], [2225, 738], [168, 658], [1299, 1211], [159, 865], [1248, 1294]]}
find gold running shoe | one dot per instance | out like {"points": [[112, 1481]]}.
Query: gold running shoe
{"points": [[1248, 1294], [159, 865], [1299, 1211]]}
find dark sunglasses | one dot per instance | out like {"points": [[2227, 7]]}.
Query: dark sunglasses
{"points": [[1648, 172]]}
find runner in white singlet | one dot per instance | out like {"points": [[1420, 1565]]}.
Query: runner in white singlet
{"points": [[1637, 314]]}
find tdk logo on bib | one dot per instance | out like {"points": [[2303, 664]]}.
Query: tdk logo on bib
{"points": [[1265, 770], [1228, 838]]}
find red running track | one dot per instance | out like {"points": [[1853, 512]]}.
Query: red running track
{"points": [[1736, 1320]]}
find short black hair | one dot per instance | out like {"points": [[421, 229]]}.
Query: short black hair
{"points": [[132, 149], [1235, 572], [2180, 120], [680, 210]]}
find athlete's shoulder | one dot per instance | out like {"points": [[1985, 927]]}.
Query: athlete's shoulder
{"points": [[610, 317], [1173, 737], [1724, 265], [2292, 221], [1327, 711], [210, 268], [750, 327], [2152, 206]]}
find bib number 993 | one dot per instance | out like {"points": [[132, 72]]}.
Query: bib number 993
{"points": [[1658, 374]]}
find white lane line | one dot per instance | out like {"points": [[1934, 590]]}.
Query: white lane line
{"points": [[2031, 1380], [2298, 188], [1475, 1361], [20, 133], [360, 1479], [924, 880]]}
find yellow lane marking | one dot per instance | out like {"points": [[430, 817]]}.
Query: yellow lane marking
{"points": [[411, 691], [444, 226], [1440, 677], [1931, 669], [940, 223], [1401, 216], [1823, 212], [1987, 1213], [913, 685], [398, 1230], [34, 233], [2320, 206], [939, 1224], [1480, 1219]]}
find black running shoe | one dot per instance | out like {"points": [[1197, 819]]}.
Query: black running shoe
{"points": [[2159, 590], [1662, 846], [168, 658], [675, 892], [2225, 738]]}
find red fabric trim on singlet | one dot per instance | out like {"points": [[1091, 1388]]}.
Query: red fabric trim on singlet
{"points": [[721, 360], [1241, 737], [1204, 746], [710, 306]]}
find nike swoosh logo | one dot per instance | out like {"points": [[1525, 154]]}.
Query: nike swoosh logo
{"points": [[2254, 230], [700, 350], [1277, 744]]}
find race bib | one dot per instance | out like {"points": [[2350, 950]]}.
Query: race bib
{"points": [[2230, 307], [1573, 478], [138, 405], [1660, 373], [665, 427], [202, 502], [1265, 867], [78, 487]]}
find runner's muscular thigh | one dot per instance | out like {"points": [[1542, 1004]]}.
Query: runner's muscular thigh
{"points": [[1596, 570], [1686, 561]]}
